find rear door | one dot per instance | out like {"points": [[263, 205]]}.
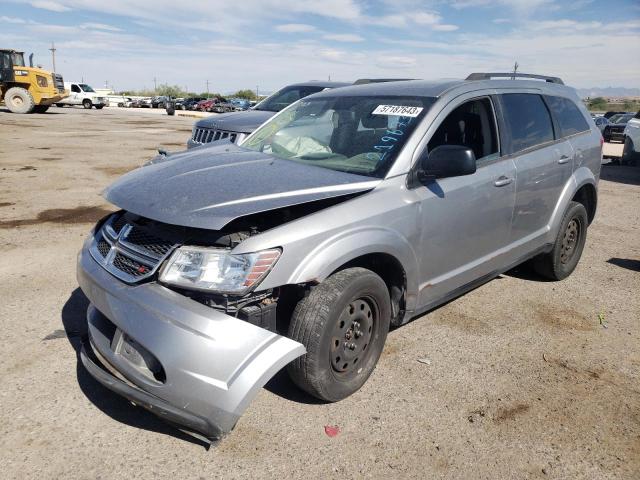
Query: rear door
{"points": [[6, 67], [543, 161]]}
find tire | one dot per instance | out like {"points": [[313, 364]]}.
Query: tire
{"points": [[343, 324], [40, 108], [99, 107], [60, 105], [19, 100], [86, 104], [567, 249], [629, 155]]}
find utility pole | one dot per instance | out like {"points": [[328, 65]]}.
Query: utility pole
{"points": [[257, 95], [53, 55], [155, 85], [515, 70], [207, 88]]}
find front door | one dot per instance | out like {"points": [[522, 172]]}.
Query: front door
{"points": [[466, 220], [6, 68]]}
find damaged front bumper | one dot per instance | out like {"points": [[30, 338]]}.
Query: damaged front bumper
{"points": [[189, 364]]}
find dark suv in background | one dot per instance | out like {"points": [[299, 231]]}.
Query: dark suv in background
{"points": [[237, 125]]}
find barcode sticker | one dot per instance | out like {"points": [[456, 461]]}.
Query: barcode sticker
{"points": [[400, 110]]}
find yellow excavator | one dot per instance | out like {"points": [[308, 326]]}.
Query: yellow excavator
{"points": [[27, 89]]}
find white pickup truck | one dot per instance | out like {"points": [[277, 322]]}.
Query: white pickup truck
{"points": [[82, 94]]}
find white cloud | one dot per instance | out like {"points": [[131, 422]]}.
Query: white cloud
{"points": [[295, 28], [501, 20], [100, 26], [343, 37], [12, 20], [444, 27], [50, 5]]}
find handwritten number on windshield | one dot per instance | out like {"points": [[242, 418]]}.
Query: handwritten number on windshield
{"points": [[388, 141]]}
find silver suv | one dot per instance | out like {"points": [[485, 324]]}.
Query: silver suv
{"points": [[349, 211]]}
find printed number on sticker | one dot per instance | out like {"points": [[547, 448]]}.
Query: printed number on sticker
{"points": [[401, 110]]}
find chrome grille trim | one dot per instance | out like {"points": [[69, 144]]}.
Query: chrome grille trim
{"points": [[119, 246], [208, 135]]}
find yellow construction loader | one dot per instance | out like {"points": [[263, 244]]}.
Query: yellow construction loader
{"points": [[26, 89]]}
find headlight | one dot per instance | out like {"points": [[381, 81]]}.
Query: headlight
{"points": [[42, 81], [217, 270]]}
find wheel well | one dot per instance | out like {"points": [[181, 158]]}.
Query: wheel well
{"points": [[586, 195], [392, 273]]}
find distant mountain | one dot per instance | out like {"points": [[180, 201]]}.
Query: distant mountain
{"points": [[608, 92]]}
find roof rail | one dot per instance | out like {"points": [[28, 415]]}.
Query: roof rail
{"points": [[489, 76], [364, 81]]}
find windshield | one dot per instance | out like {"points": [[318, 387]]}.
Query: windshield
{"points": [[17, 59], [623, 118], [360, 135], [86, 88], [285, 97]]}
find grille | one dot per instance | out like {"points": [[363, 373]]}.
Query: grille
{"points": [[103, 247], [128, 250], [208, 135], [58, 82], [149, 242], [129, 265]]}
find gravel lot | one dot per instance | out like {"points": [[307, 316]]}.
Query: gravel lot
{"points": [[520, 378]]}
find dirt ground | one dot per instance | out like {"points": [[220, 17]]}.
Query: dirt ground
{"points": [[518, 379]]}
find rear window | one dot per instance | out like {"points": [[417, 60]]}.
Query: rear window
{"points": [[528, 120], [568, 115]]}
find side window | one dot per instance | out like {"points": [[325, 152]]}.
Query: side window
{"points": [[5, 60], [75, 88], [472, 125], [568, 115], [528, 119]]}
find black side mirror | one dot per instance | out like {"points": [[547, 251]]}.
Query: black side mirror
{"points": [[446, 161]]}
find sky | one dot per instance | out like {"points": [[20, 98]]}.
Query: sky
{"points": [[267, 44]]}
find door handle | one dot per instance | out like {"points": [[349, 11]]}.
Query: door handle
{"points": [[502, 181], [563, 159]]}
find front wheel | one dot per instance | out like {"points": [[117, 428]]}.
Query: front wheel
{"points": [[343, 324], [40, 108], [562, 260], [99, 107], [19, 100]]}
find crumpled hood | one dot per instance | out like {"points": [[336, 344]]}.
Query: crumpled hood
{"points": [[210, 187], [243, 122]]}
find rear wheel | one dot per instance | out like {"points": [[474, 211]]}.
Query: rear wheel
{"points": [[86, 104], [19, 100], [567, 249], [343, 324], [40, 108], [629, 155]]}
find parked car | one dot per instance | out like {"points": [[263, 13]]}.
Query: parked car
{"points": [[186, 103], [614, 131], [631, 151], [608, 115], [160, 102], [235, 126], [82, 94], [600, 122], [240, 104], [355, 209], [144, 102]]}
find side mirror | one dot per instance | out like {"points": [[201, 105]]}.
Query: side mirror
{"points": [[446, 161]]}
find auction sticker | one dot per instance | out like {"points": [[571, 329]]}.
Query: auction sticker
{"points": [[400, 110]]}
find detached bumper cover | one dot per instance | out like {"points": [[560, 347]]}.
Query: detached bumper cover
{"points": [[212, 364]]}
